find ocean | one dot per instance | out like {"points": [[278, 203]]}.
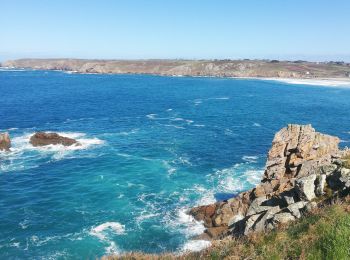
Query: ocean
{"points": [[151, 148]]}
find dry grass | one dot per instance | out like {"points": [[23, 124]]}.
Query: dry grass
{"points": [[323, 234], [346, 161]]}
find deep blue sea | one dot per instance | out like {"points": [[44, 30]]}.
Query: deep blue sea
{"points": [[152, 147]]}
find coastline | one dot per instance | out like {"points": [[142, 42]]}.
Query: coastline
{"points": [[326, 82], [342, 82]]}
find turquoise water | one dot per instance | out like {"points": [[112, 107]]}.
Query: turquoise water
{"points": [[152, 147]]}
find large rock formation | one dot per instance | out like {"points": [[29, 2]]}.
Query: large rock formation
{"points": [[42, 139], [5, 142], [300, 164]]}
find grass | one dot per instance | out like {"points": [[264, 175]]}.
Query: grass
{"points": [[323, 234], [346, 161]]}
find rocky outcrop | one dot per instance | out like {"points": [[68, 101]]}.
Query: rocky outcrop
{"points": [[5, 142], [301, 164], [42, 139]]}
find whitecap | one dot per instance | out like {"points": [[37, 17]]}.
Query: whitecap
{"points": [[177, 119], [151, 116], [101, 230], [175, 126], [249, 158], [257, 125], [222, 98]]}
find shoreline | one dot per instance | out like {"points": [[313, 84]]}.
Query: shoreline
{"points": [[324, 82]]}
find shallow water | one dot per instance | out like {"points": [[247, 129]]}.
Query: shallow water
{"points": [[152, 147]]}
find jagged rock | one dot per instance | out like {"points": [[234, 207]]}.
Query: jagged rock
{"points": [[42, 139], [257, 207], [345, 177], [249, 223], [216, 232], [295, 208], [5, 142], [305, 187], [339, 179], [294, 145], [320, 184], [300, 164], [329, 168]]}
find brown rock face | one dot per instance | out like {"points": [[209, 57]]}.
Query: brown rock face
{"points": [[293, 146], [42, 139], [297, 167], [5, 142]]}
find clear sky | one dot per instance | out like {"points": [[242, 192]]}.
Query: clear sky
{"points": [[139, 29]]}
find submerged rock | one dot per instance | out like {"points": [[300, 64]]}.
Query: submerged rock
{"points": [[42, 139], [301, 165], [5, 142]]}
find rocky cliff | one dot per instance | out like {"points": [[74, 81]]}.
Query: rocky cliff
{"points": [[303, 167], [217, 68]]}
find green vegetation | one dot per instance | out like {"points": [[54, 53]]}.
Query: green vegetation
{"points": [[323, 234], [346, 161]]}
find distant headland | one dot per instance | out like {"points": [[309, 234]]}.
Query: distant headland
{"points": [[337, 70]]}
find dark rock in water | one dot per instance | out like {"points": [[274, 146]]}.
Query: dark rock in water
{"points": [[5, 142], [42, 139]]}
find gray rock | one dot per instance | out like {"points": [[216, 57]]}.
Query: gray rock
{"points": [[305, 187], [328, 168], [289, 199], [320, 184], [261, 224], [282, 218], [250, 223], [5, 142], [345, 177], [256, 207], [295, 208]]}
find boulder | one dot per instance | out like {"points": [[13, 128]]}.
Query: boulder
{"points": [[5, 142], [295, 208], [305, 187], [282, 218], [42, 139]]}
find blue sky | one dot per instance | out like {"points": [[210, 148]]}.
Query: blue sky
{"points": [[135, 29]]}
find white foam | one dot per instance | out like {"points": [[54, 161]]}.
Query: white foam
{"points": [[195, 246], [221, 98], [249, 158], [21, 157], [257, 125], [100, 230], [151, 116], [316, 82], [254, 176]]}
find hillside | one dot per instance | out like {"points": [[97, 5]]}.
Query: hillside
{"points": [[217, 68]]}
